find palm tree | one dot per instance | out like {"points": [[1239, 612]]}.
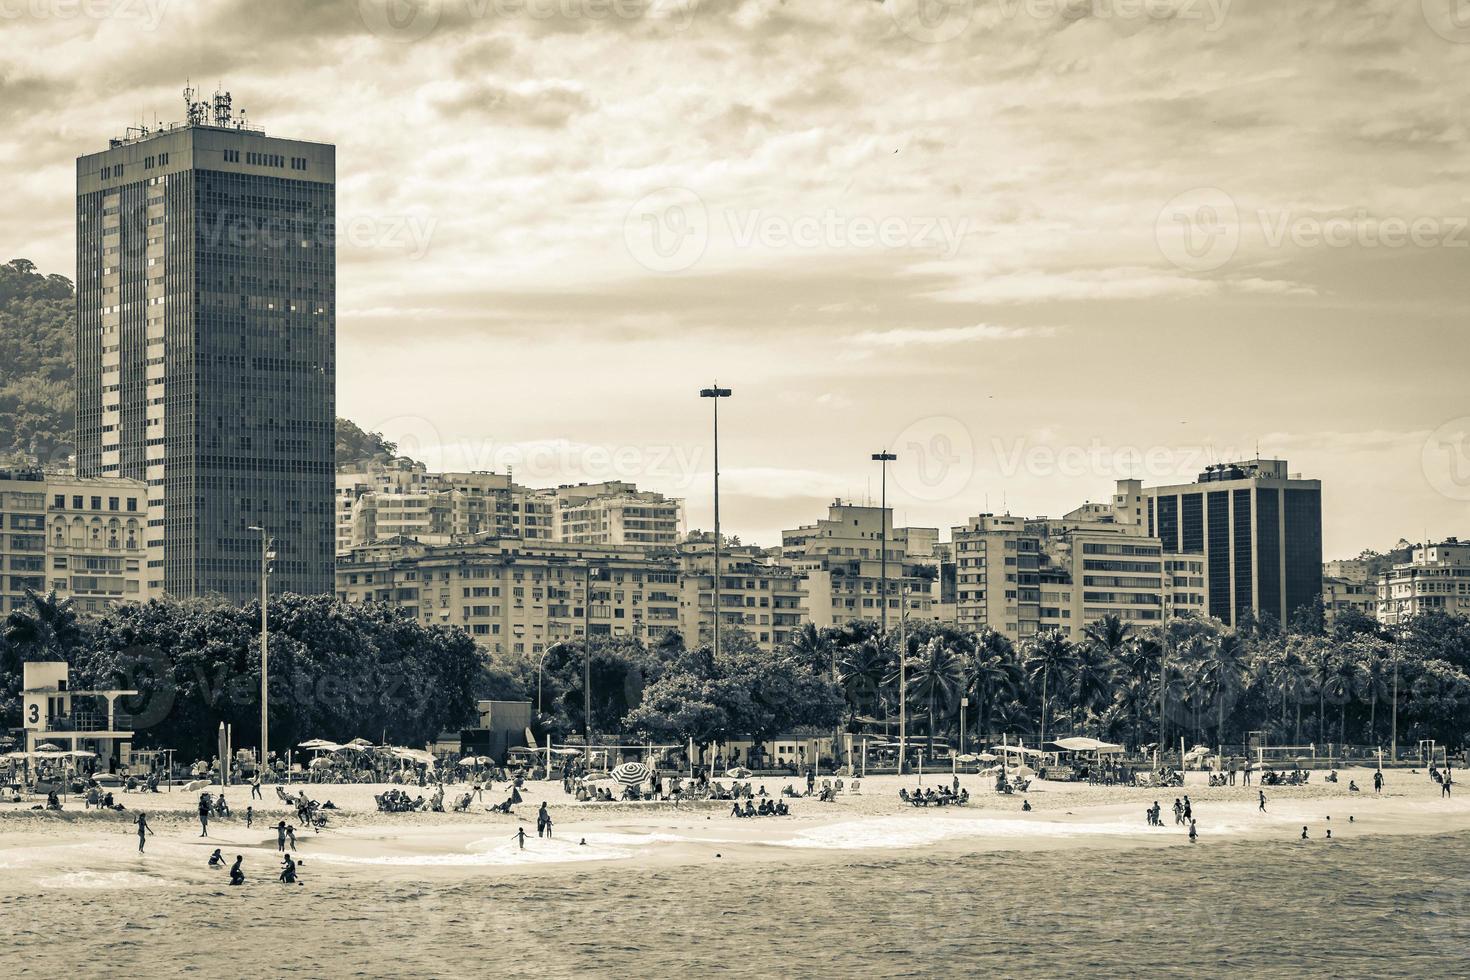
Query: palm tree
{"points": [[1047, 655], [936, 677], [1375, 670], [1223, 668], [1138, 663], [1093, 678], [47, 628], [1110, 634], [862, 668], [992, 671]]}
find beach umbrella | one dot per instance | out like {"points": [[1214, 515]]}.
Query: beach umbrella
{"points": [[739, 772], [631, 774], [968, 758], [319, 743], [361, 743], [49, 747], [82, 754]]}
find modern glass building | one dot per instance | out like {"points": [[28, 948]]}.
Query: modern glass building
{"points": [[1260, 529], [206, 361]]}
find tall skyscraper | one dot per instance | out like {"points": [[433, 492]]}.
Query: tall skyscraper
{"points": [[1258, 526], [206, 333]]}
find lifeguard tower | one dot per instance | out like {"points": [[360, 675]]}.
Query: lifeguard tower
{"points": [[76, 721]]}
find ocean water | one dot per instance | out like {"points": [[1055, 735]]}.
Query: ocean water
{"points": [[1386, 906]]}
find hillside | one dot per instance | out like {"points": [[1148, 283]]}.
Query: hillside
{"points": [[37, 403]]}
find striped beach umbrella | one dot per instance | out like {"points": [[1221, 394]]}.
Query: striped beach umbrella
{"points": [[631, 774]]}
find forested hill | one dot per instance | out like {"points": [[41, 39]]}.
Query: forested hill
{"points": [[37, 400]]}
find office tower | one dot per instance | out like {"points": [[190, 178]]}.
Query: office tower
{"points": [[1259, 528], [206, 364]]}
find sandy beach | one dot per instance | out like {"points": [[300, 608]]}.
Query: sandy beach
{"points": [[92, 849]]}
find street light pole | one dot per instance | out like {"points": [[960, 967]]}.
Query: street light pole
{"points": [[716, 393], [587, 660], [883, 459], [265, 572], [903, 684]]}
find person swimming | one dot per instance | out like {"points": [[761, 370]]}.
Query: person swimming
{"points": [[1304, 833]]}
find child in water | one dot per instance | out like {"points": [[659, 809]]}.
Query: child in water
{"points": [[237, 876]]}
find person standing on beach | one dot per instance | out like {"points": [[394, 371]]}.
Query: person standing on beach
{"points": [[520, 835], [1378, 781], [1188, 810], [291, 836], [249, 816], [281, 836], [203, 814], [143, 830], [1444, 787], [255, 786], [1263, 801], [542, 819], [548, 826], [1193, 833]]}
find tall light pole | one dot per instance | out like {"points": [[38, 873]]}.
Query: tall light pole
{"points": [[266, 554], [903, 681], [1165, 641], [587, 659], [883, 458], [716, 393]]}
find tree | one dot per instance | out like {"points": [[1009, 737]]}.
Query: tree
{"points": [[1223, 669], [992, 673], [1093, 677], [935, 679], [45, 628], [1047, 657]]}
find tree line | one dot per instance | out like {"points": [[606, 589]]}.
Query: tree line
{"points": [[345, 670]]}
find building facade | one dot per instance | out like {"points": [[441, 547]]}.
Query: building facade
{"points": [[82, 538], [840, 562], [1435, 579], [517, 596], [1258, 527], [206, 359]]}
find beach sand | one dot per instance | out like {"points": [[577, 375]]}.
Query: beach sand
{"points": [[76, 848]]}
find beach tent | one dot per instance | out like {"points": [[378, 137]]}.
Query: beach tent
{"points": [[1081, 744], [1015, 750]]}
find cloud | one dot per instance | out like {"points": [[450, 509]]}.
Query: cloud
{"points": [[946, 336]]}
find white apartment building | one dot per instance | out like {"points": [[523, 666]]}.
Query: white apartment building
{"points": [[758, 594], [1435, 579], [518, 596], [401, 499], [840, 561], [617, 514], [86, 538]]}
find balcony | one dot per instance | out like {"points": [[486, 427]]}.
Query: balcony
{"points": [[87, 721]]}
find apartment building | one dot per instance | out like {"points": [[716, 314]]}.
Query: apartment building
{"points": [[516, 596], [1435, 579], [840, 561], [756, 593], [617, 514], [85, 538]]}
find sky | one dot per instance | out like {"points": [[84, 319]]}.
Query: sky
{"points": [[1029, 246]]}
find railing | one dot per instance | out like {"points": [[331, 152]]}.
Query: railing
{"points": [[87, 722]]}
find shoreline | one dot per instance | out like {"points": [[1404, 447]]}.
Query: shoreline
{"points": [[91, 849]]}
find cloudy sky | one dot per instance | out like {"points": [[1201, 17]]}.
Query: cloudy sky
{"points": [[1031, 246]]}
